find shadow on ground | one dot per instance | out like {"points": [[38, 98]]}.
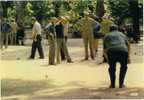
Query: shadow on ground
{"points": [[15, 89], [17, 86]]}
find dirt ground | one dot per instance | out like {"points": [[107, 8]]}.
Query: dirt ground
{"points": [[23, 79]]}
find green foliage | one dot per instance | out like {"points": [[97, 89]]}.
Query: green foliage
{"points": [[119, 9]]}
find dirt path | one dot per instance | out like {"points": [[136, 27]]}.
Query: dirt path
{"points": [[80, 79]]}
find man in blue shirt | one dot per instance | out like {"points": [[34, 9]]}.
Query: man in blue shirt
{"points": [[5, 30], [61, 44], [116, 49]]}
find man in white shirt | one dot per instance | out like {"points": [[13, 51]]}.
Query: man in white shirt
{"points": [[36, 36]]}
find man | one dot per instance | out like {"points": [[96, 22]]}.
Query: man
{"points": [[61, 44], [20, 34], [50, 29], [116, 49], [5, 30], [65, 22], [86, 25], [36, 36], [14, 31]]}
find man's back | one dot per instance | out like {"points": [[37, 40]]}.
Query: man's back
{"points": [[115, 41]]}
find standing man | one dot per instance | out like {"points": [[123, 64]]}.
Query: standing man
{"points": [[50, 29], [14, 31], [20, 34], [36, 36], [61, 44], [5, 30], [65, 23], [116, 49], [86, 26]]}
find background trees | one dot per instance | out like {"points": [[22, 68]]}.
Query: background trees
{"points": [[121, 10]]}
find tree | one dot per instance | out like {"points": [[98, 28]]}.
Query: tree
{"points": [[135, 14], [100, 10], [119, 10], [5, 5]]}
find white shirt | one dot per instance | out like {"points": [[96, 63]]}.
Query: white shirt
{"points": [[36, 28]]}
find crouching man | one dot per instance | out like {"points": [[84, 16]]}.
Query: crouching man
{"points": [[116, 49]]}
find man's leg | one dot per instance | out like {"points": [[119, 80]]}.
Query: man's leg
{"points": [[6, 40], [96, 41], [91, 46], [40, 49], [59, 46], [62, 54], [85, 40], [123, 61], [51, 51], [2, 40], [66, 39], [11, 38], [112, 68], [65, 49], [33, 50], [14, 38]]}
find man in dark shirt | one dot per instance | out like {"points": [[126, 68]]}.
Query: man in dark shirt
{"points": [[116, 49], [61, 42], [5, 30]]}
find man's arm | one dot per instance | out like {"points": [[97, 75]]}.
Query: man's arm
{"points": [[34, 33]]}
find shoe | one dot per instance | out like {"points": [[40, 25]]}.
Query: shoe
{"points": [[52, 64], [93, 58], [122, 86], [85, 58], [111, 86], [41, 57], [70, 61]]}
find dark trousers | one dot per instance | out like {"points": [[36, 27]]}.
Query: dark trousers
{"points": [[37, 45], [62, 52], [113, 58]]}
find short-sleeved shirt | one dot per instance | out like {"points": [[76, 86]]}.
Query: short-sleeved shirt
{"points": [[59, 28], [115, 41], [86, 25], [5, 28], [37, 28]]}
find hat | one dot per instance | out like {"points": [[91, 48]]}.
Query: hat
{"points": [[33, 18], [63, 19]]}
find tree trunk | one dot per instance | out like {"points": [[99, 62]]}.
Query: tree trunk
{"points": [[134, 13], [100, 8]]}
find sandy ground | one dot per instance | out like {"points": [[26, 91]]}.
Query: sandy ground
{"points": [[87, 79]]}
